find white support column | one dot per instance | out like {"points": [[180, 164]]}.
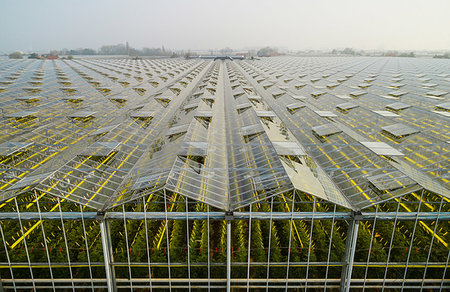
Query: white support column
{"points": [[107, 254], [228, 255], [350, 248]]}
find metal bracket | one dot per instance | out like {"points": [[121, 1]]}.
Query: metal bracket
{"points": [[100, 216], [229, 216], [357, 215]]}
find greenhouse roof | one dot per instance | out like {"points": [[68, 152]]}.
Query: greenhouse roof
{"points": [[227, 133]]}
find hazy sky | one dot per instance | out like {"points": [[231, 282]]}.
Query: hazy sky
{"points": [[201, 24]]}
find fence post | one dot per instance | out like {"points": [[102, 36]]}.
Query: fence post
{"points": [[229, 217], [107, 251], [350, 248]]}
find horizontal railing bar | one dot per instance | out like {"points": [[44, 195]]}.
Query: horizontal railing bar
{"points": [[401, 216]]}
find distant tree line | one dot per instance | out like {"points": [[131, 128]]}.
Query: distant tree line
{"points": [[352, 52], [443, 56], [268, 52], [119, 49], [397, 54], [79, 52], [347, 51]]}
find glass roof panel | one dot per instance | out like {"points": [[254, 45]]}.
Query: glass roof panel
{"points": [[227, 132]]}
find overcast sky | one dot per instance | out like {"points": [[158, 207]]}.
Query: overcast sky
{"points": [[202, 24]]}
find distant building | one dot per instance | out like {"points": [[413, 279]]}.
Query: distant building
{"points": [[34, 56]]}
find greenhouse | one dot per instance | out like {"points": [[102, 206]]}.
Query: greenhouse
{"points": [[284, 173]]}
